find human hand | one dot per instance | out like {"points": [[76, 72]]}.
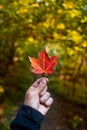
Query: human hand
{"points": [[37, 96]]}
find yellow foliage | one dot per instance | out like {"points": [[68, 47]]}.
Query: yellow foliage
{"points": [[35, 5], [79, 29], [75, 36], [74, 13], [76, 48], [52, 23], [68, 5], [84, 44], [58, 36], [53, 0], [30, 39], [70, 51], [26, 2], [23, 10], [61, 26], [84, 20], [60, 11], [49, 22], [46, 24], [1, 89]]}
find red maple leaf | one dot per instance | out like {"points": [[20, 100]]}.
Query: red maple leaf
{"points": [[44, 64]]}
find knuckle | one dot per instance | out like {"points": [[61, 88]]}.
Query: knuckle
{"points": [[41, 94], [29, 93], [51, 99], [48, 94]]}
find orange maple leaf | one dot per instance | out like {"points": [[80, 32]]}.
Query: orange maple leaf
{"points": [[44, 64]]}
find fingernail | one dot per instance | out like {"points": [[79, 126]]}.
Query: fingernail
{"points": [[43, 81]]}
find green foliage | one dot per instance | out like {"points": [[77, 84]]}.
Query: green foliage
{"points": [[60, 26], [76, 121]]}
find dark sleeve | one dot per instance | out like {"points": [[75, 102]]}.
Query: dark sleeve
{"points": [[27, 118]]}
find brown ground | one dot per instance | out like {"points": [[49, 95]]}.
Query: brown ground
{"points": [[64, 115]]}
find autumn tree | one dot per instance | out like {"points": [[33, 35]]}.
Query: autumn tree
{"points": [[61, 26]]}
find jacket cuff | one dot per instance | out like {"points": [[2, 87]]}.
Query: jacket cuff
{"points": [[33, 113], [27, 118]]}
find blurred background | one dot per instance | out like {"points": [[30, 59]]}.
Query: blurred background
{"points": [[60, 26]]}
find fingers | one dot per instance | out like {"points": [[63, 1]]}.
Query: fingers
{"points": [[43, 91], [38, 81], [39, 85], [49, 102], [45, 97], [46, 100]]}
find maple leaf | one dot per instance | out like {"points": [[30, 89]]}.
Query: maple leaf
{"points": [[44, 64]]}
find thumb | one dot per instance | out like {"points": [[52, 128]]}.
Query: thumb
{"points": [[41, 85]]}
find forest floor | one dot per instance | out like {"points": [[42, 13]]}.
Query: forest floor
{"points": [[64, 115]]}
